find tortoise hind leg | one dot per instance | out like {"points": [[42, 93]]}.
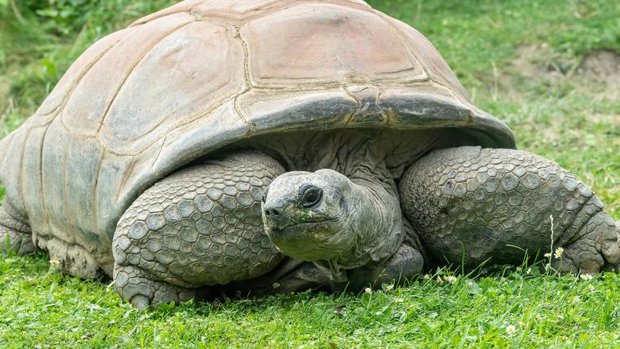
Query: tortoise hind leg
{"points": [[473, 205], [15, 232], [200, 226]]}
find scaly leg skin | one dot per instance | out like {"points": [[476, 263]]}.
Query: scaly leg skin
{"points": [[15, 232], [409, 261], [472, 206], [406, 263], [290, 276], [200, 226], [293, 275]]}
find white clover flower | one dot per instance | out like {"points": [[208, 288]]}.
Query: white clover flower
{"points": [[558, 252], [510, 330], [54, 262], [450, 279], [427, 276], [586, 277], [547, 255], [368, 290]]}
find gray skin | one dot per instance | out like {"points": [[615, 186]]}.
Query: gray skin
{"points": [[243, 225], [313, 217], [358, 215], [355, 210]]}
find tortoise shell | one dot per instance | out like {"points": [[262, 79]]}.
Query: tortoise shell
{"points": [[203, 74]]}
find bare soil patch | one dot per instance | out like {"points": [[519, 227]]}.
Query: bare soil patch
{"points": [[597, 74], [602, 68]]}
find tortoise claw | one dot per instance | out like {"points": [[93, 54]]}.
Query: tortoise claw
{"points": [[139, 301]]}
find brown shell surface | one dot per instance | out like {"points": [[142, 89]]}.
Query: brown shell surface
{"points": [[202, 74]]}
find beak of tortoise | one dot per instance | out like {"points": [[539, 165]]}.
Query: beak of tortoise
{"points": [[275, 217]]}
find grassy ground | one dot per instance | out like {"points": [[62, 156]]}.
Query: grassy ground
{"points": [[547, 68]]}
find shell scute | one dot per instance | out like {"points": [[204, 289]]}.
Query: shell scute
{"points": [[185, 76], [85, 110], [437, 69], [56, 101], [32, 184], [333, 44], [53, 179]]}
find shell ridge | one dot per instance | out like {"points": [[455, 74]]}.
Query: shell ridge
{"points": [[41, 174], [21, 167], [125, 178], [64, 179], [94, 192], [161, 148], [246, 77], [68, 127], [349, 118], [246, 57], [241, 115]]}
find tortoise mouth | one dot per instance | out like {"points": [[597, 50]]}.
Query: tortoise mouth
{"points": [[295, 231], [308, 241]]}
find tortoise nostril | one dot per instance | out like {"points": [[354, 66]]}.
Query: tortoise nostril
{"points": [[272, 212]]}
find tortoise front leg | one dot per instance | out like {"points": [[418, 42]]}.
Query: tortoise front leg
{"points": [[200, 226], [473, 205]]}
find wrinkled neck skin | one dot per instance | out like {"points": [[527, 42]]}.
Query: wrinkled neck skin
{"points": [[371, 229], [375, 221]]}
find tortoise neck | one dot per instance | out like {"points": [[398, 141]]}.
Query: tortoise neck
{"points": [[375, 217], [378, 225]]}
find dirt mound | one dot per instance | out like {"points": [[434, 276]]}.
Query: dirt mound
{"points": [[540, 62], [601, 65], [597, 74], [602, 68]]}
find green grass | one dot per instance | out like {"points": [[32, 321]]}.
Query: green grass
{"points": [[509, 309], [518, 59]]}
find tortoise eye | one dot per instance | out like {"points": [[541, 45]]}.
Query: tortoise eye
{"points": [[310, 196]]}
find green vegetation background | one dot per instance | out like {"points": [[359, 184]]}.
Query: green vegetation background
{"points": [[550, 69]]}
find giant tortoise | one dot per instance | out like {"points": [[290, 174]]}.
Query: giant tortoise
{"points": [[276, 145]]}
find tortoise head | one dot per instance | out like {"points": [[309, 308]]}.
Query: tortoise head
{"points": [[308, 214]]}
